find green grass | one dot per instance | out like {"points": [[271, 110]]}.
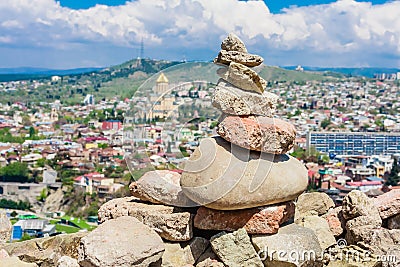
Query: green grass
{"points": [[66, 228], [79, 222]]}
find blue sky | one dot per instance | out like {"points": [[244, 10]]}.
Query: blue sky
{"points": [[275, 6], [79, 33]]}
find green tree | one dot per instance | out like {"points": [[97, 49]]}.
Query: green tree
{"points": [[43, 195], [41, 162], [15, 172], [325, 123], [309, 155], [32, 132], [393, 178]]}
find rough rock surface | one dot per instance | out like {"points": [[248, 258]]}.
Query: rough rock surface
{"points": [[5, 227], [359, 210], [388, 204], [235, 249], [335, 220], [314, 203], [321, 229], [55, 200], [124, 241], [379, 241], [229, 177], [170, 223], [66, 261], [291, 240], [233, 43], [209, 259], [243, 77], [352, 256], [177, 254], [210, 263], [235, 101], [161, 187], [15, 262], [260, 220], [258, 133], [226, 57], [46, 251], [394, 222]]}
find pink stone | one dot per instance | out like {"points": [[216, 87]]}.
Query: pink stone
{"points": [[258, 133], [261, 220], [388, 204], [335, 221]]}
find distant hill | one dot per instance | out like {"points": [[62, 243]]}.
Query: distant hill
{"points": [[271, 73], [349, 72], [124, 80], [27, 73], [191, 71]]}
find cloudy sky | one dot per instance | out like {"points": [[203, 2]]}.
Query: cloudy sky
{"points": [[96, 33]]}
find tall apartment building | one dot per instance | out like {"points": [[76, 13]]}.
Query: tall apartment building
{"points": [[355, 143]]}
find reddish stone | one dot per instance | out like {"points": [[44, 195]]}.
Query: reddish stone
{"points": [[335, 221], [261, 220], [388, 204], [258, 133]]}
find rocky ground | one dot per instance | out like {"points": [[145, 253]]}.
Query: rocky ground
{"points": [[132, 232]]}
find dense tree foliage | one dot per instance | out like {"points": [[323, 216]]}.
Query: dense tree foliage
{"points": [[15, 172], [10, 204], [393, 178]]}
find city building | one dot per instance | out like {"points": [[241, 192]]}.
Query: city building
{"points": [[355, 143], [163, 103], [89, 100], [111, 125], [35, 227]]}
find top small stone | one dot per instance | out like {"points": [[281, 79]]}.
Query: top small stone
{"points": [[233, 43]]}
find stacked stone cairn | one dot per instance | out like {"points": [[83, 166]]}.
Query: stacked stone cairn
{"points": [[246, 165], [232, 206]]}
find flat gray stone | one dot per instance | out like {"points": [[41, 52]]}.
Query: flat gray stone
{"points": [[225, 57], [321, 229], [161, 187], [169, 222], [243, 77], [178, 254], [235, 101], [235, 249], [120, 242], [282, 248], [314, 203]]}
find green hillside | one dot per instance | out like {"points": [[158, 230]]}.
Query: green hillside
{"points": [[123, 80], [270, 73]]}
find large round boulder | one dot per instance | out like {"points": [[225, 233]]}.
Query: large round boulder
{"points": [[223, 176]]}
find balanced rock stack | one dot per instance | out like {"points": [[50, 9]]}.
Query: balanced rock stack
{"points": [[246, 166]]}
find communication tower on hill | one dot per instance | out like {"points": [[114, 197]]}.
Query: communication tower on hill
{"points": [[142, 49]]}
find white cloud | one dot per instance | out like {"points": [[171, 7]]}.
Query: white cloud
{"points": [[344, 27]]}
